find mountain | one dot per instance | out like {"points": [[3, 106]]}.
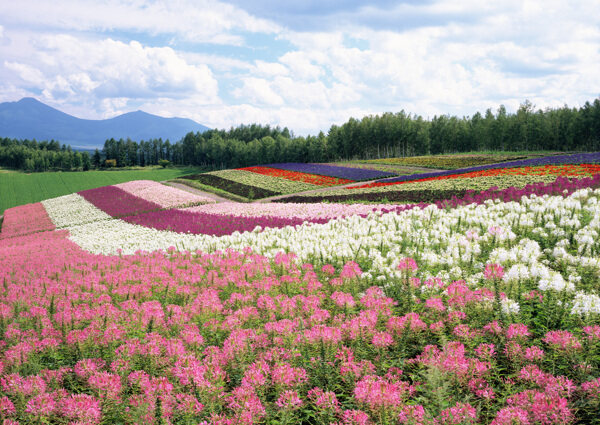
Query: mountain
{"points": [[30, 119]]}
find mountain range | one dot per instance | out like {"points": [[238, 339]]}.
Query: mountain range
{"points": [[31, 119]]}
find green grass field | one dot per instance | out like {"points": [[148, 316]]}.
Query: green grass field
{"points": [[18, 188]]}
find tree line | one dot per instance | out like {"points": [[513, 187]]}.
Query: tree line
{"points": [[373, 136], [30, 155]]}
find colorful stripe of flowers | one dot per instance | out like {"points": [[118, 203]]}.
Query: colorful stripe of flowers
{"points": [[348, 173], [165, 196], [298, 176], [117, 202], [583, 158], [290, 210], [199, 223], [25, 219], [556, 170]]}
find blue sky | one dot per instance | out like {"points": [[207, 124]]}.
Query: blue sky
{"points": [[301, 64]]}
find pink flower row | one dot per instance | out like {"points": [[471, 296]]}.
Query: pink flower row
{"points": [[165, 196], [25, 219]]}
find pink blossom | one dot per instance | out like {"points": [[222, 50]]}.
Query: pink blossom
{"points": [[517, 330], [41, 405], [408, 264], [81, 407], [493, 271], [289, 400], [324, 400], [382, 339], [563, 340], [461, 413]]}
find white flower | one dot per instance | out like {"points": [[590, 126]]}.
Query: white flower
{"points": [[509, 306], [585, 304]]}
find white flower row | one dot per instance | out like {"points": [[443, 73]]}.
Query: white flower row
{"points": [[72, 210]]}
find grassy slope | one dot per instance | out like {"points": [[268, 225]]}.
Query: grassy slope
{"points": [[19, 188]]}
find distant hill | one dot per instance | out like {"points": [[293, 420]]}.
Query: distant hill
{"points": [[30, 119]]}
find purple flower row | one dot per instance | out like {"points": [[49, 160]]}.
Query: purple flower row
{"points": [[583, 158], [212, 224], [349, 173], [116, 202]]}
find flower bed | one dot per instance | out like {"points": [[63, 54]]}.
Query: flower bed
{"points": [[303, 211], [571, 170], [265, 181], [25, 219], [116, 202], [165, 196], [349, 173], [480, 314], [240, 189], [584, 158], [300, 176], [72, 210], [200, 223]]}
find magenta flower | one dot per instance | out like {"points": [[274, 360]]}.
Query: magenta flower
{"points": [[289, 400], [493, 271], [408, 264]]}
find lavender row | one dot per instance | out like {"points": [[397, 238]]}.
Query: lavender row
{"points": [[348, 173], [116, 202], [583, 158], [212, 224]]}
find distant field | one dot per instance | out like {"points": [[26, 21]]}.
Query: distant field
{"points": [[19, 188]]}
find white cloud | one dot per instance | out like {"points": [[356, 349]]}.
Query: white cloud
{"points": [[72, 67], [258, 91], [196, 20]]}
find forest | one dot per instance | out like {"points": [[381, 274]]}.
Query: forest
{"points": [[374, 136]]}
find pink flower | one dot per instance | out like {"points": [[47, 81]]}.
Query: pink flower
{"points": [[289, 400], [592, 332], [382, 339], [355, 417], [7, 407], [343, 299], [486, 351], [412, 414], [563, 340], [435, 304], [493, 271], [81, 407], [534, 353], [517, 330], [328, 269], [324, 400], [408, 264], [511, 416], [350, 270], [462, 413], [41, 405]]}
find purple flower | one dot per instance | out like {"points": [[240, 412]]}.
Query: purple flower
{"points": [[348, 173]]}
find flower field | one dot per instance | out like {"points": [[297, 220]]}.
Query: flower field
{"points": [[164, 308], [348, 173]]}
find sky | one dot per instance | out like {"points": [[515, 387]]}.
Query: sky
{"points": [[305, 64]]}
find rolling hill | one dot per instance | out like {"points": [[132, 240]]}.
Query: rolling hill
{"points": [[31, 119]]}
